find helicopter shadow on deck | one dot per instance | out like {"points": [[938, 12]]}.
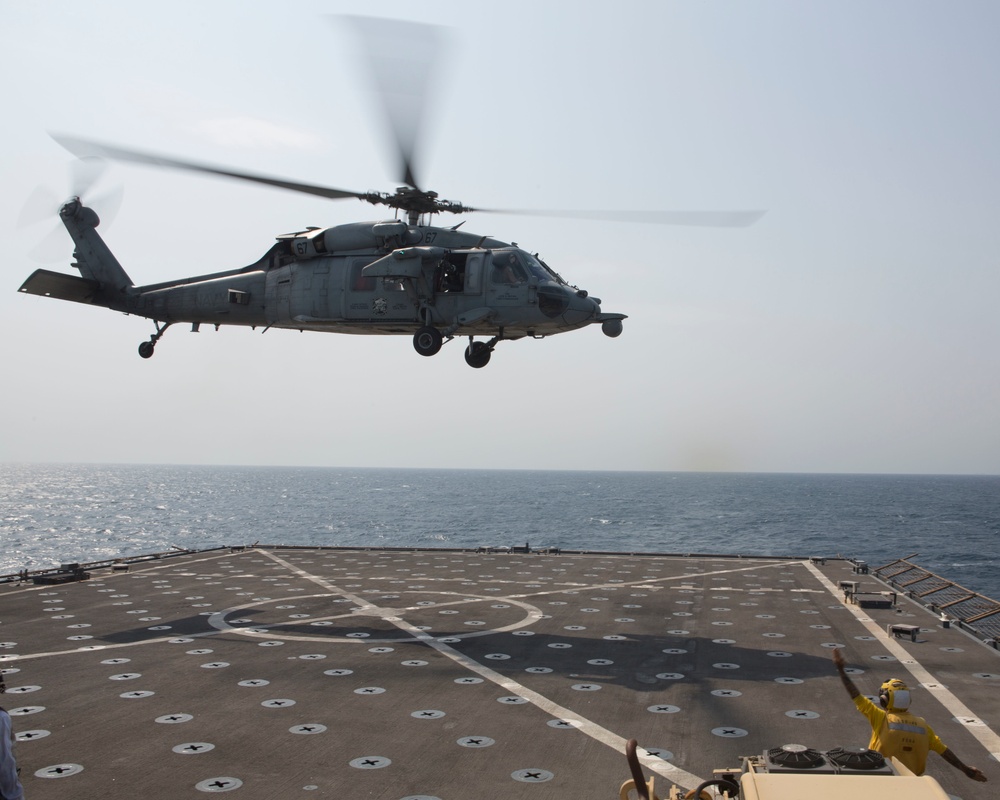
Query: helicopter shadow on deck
{"points": [[196, 624], [638, 662], [634, 661], [258, 621], [644, 663]]}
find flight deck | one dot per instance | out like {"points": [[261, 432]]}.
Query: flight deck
{"points": [[287, 672]]}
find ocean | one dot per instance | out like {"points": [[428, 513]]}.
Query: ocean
{"points": [[56, 513]]}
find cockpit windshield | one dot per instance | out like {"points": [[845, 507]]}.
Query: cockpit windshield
{"points": [[520, 263], [535, 266]]}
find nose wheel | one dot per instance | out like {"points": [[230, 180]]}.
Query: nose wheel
{"points": [[477, 354]]}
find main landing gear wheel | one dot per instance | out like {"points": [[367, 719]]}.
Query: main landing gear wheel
{"points": [[427, 341], [146, 349], [477, 354]]}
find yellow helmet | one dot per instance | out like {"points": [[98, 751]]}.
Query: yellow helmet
{"points": [[894, 695]]}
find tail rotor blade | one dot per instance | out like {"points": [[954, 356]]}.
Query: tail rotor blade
{"points": [[54, 246], [84, 173], [41, 204], [108, 204]]}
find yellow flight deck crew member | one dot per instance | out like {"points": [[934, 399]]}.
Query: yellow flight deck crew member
{"points": [[895, 731]]}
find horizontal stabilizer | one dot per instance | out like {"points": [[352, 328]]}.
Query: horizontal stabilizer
{"points": [[46, 283]]}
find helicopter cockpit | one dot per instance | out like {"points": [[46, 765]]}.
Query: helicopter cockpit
{"points": [[458, 270], [507, 269], [514, 267]]}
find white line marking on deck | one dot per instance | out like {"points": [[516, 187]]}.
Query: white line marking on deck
{"points": [[584, 725], [986, 736]]}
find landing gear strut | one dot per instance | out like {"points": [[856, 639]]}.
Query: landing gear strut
{"points": [[146, 348]]}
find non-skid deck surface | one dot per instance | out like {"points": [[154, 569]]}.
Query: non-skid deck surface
{"points": [[307, 673]]}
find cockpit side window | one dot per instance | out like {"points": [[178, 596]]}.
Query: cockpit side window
{"points": [[507, 269]]}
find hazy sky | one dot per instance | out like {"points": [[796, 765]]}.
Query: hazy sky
{"points": [[855, 328]]}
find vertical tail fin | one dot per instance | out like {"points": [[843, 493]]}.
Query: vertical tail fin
{"points": [[94, 259], [102, 282]]}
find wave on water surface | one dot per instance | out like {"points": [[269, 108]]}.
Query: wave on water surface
{"points": [[51, 514]]}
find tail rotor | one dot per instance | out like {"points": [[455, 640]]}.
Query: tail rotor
{"points": [[43, 205]]}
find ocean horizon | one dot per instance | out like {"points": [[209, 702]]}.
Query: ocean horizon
{"points": [[57, 513]]}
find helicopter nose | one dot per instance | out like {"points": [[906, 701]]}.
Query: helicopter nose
{"points": [[581, 308]]}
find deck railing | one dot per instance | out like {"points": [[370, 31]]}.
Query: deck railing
{"points": [[974, 612]]}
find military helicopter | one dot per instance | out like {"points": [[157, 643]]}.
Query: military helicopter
{"points": [[399, 276]]}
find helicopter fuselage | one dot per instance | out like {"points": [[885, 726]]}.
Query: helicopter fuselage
{"points": [[379, 278], [464, 283]]}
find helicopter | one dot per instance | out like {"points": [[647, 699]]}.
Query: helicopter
{"points": [[398, 276]]}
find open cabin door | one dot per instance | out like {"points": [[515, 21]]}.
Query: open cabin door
{"points": [[460, 272]]}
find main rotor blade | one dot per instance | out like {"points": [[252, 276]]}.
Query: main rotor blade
{"points": [[401, 59], [86, 149], [706, 219]]}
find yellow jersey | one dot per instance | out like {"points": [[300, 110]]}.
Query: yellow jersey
{"points": [[900, 734]]}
